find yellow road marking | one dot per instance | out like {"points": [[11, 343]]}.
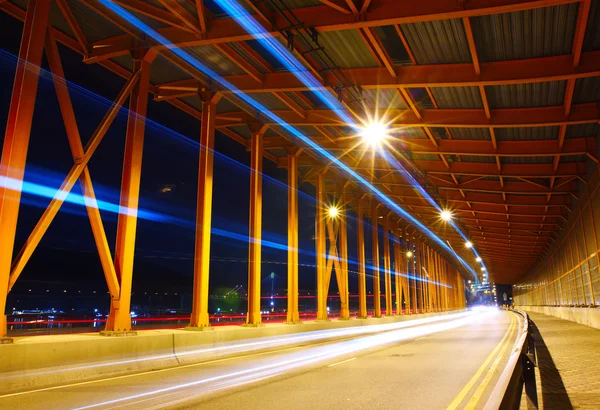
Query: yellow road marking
{"points": [[458, 399], [488, 377], [342, 362]]}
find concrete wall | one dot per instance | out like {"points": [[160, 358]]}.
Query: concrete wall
{"points": [[44, 361], [585, 316]]}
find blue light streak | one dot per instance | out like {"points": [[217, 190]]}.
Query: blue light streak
{"points": [[253, 27], [293, 131]]}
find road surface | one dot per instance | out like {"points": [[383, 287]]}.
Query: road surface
{"points": [[451, 362]]}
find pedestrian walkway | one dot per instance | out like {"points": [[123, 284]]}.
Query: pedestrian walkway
{"points": [[568, 357]]}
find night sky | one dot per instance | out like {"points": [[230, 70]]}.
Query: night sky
{"points": [[165, 240]]}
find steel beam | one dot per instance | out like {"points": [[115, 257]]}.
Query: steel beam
{"points": [[16, 137], [387, 266], [375, 257], [253, 317], [362, 277], [292, 268], [119, 318], [199, 316], [321, 245], [343, 256]]}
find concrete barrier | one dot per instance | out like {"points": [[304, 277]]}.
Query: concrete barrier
{"points": [[582, 315], [36, 362]]}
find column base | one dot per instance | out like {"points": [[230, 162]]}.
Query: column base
{"points": [[198, 328], [118, 333], [344, 318], [252, 325], [6, 340], [377, 317], [362, 317]]}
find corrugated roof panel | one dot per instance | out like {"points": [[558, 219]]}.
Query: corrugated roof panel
{"points": [[126, 62], [532, 33], [193, 101], [438, 42], [393, 45], [162, 71], [94, 27], [527, 95], [297, 100], [526, 160], [591, 41], [215, 60], [587, 90], [526, 133], [384, 99], [298, 4], [347, 49], [457, 97], [242, 130], [410, 133], [425, 157], [590, 129], [224, 106], [482, 134], [478, 158], [269, 100], [248, 58], [572, 158]]}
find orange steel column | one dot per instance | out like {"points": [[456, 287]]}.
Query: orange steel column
{"points": [[16, 137], [343, 246], [362, 277], [397, 265], [413, 269], [292, 294], [387, 266], [375, 247], [119, 318], [199, 316], [321, 247], [253, 317]]}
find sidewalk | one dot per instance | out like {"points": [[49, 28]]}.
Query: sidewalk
{"points": [[568, 356]]}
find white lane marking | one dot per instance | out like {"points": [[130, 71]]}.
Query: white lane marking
{"points": [[342, 362]]}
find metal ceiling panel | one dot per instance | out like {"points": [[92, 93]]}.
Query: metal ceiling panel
{"points": [[531, 33], [526, 133], [347, 49], [438, 42], [457, 97], [527, 95]]}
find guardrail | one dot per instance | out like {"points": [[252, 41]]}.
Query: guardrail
{"points": [[519, 372]]}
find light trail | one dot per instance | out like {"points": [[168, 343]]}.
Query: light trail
{"points": [[290, 362], [261, 343], [151, 33], [284, 56]]}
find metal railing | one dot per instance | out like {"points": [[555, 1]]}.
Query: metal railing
{"points": [[519, 372]]}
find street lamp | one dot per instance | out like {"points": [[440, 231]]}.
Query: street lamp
{"points": [[468, 244], [333, 212], [409, 254], [446, 215], [374, 133]]}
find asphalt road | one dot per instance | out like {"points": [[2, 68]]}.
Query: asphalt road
{"points": [[419, 367]]}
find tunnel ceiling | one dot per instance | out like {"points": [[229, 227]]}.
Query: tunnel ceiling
{"points": [[494, 102]]}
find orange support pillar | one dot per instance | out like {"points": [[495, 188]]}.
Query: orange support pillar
{"points": [[376, 278], [16, 137], [397, 270], [119, 318], [293, 315], [253, 317], [199, 317], [387, 266], [321, 248], [343, 285], [362, 277]]}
